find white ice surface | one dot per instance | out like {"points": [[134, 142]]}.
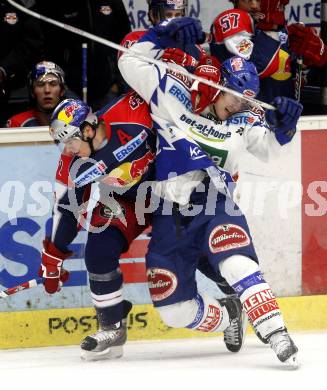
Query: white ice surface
{"points": [[174, 364]]}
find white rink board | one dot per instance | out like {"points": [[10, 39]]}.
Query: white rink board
{"points": [[271, 201], [275, 224]]}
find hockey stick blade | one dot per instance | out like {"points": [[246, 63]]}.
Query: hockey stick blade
{"points": [[23, 286]]}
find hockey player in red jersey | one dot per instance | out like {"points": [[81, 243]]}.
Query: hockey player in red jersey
{"points": [[116, 148], [46, 86]]}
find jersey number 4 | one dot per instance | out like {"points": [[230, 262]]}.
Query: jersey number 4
{"points": [[229, 22]]}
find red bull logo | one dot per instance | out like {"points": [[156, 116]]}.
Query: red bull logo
{"points": [[106, 10], [69, 110], [11, 18], [141, 165], [245, 47], [129, 173]]}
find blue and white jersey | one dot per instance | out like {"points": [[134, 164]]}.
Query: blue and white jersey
{"points": [[169, 98]]}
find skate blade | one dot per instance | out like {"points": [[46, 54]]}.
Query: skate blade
{"points": [[292, 362], [109, 353]]}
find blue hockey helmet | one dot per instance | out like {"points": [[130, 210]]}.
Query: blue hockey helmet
{"points": [[158, 7], [241, 76], [45, 68], [69, 118]]}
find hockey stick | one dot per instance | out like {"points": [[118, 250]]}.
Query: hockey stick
{"points": [[298, 78], [137, 54], [23, 286]]}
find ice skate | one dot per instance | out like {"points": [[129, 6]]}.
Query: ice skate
{"points": [[234, 334], [284, 347], [108, 341]]}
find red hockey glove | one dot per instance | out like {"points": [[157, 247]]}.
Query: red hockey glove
{"points": [[304, 41], [203, 95], [51, 267], [179, 57]]}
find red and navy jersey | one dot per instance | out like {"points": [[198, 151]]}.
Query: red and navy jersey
{"points": [[123, 162], [125, 159], [231, 22], [24, 119], [273, 61], [227, 24], [270, 52]]}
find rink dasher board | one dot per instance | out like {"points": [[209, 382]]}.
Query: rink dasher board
{"points": [[279, 248], [69, 326]]}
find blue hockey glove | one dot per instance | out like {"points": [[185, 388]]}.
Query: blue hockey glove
{"points": [[179, 32], [283, 120]]}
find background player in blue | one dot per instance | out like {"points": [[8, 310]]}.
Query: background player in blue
{"points": [[116, 148], [186, 141]]}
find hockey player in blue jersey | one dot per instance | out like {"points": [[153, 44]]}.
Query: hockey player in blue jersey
{"points": [[198, 148]]}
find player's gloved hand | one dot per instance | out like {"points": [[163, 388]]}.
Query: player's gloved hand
{"points": [[203, 95], [51, 267], [179, 32], [179, 57], [283, 120], [305, 41]]}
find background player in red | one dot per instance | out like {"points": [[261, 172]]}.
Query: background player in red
{"points": [[306, 42], [266, 45], [47, 87]]}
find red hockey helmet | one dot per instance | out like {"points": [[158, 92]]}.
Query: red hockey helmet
{"points": [[272, 13]]}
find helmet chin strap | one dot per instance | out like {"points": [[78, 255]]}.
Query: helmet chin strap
{"points": [[89, 140]]}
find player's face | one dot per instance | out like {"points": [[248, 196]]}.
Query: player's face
{"points": [[168, 14], [250, 6], [174, 13], [76, 147], [48, 91], [228, 104]]}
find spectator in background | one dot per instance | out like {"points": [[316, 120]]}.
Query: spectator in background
{"points": [[21, 45], [46, 84], [105, 18]]}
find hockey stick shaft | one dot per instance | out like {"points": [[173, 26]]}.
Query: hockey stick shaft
{"points": [[298, 78], [23, 286], [137, 54]]}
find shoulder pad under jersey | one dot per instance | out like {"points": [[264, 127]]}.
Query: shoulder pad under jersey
{"points": [[231, 22]]}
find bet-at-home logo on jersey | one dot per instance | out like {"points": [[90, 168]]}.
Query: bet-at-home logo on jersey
{"points": [[204, 131]]}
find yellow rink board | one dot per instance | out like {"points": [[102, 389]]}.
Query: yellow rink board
{"points": [[70, 326]]}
